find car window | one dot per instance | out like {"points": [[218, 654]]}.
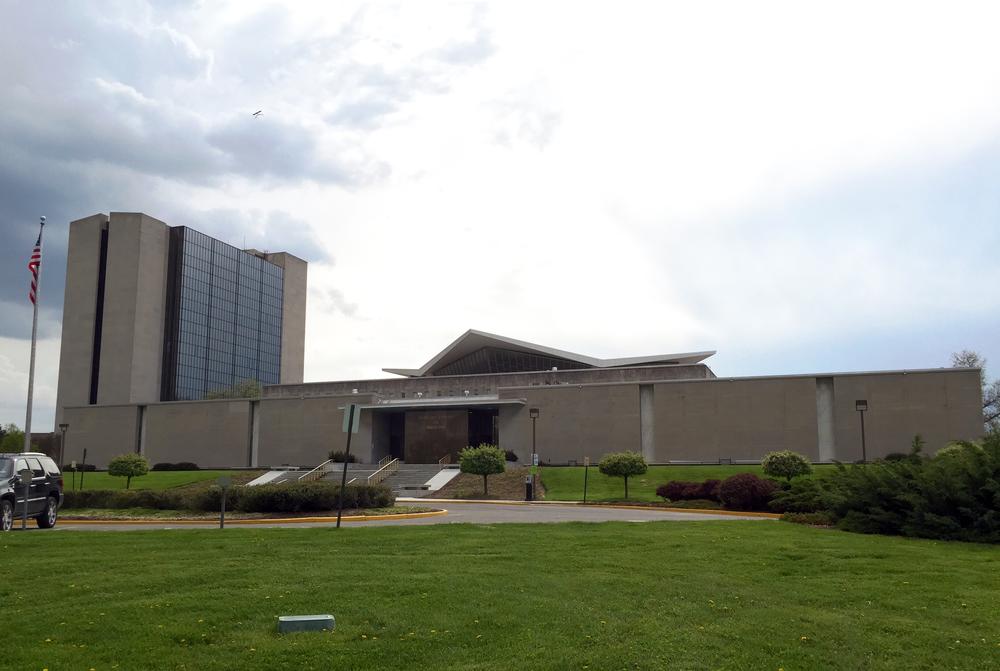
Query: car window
{"points": [[49, 466], [20, 466], [5, 465], [36, 468]]}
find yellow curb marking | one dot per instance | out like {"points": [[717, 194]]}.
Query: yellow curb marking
{"points": [[702, 511], [277, 520]]}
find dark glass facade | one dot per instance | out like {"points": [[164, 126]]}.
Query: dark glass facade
{"points": [[496, 360], [224, 318]]}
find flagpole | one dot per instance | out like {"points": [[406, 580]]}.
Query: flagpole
{"points": [[34, 336]]}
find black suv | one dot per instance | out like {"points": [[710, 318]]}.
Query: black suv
{"points": [[45, 492]]}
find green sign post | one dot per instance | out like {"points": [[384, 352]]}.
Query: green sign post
{"points": [[352, 419]]}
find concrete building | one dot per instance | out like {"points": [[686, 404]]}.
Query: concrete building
{"points": [[158, 313], [156, 318]]}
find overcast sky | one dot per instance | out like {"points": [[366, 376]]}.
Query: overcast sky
{"points": [[803, 190]]}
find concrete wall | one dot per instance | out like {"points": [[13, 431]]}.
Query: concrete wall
{"points": [[79, 302], [209, 433], [941, 406], [743, 419], [302, 431], [293, 316], [573, 422], [487, 385], [105, 431], [134, 306], [738, 419], [734, 419]]}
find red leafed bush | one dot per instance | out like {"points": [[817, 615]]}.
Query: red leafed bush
{"points": [[679, 490], [746, 491]]}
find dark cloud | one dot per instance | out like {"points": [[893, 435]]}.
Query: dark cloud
{"points": [[123, 106]]}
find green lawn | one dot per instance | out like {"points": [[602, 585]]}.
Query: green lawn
{"points": [[664, 595], [565, 483], [153, 480]]}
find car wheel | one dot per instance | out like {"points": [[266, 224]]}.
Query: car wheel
{"points": [[47, 518], [7, 514]]}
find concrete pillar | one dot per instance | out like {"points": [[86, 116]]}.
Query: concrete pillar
{"points": [[647, 423], [824, 419]]}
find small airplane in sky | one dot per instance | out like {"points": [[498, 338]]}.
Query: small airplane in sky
{"points": [[257, 113]]}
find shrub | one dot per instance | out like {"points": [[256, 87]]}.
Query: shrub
{"points": [[179, 466], [128, 466], [623, 465], [116, 498], [299, 497], [510, 455], [340, 457], [679, 490], [484, 460], [804, 495], [86, 468], [785, 464], [896, 456], [817, 519], [746, 491]]}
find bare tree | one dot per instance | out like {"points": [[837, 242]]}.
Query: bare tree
{"points": [[991, 390]]}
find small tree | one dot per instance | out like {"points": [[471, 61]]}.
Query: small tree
{"points": [[128, 466], [13, 439], [484, 460], [785, 464], [243, 389], [623, 465]]}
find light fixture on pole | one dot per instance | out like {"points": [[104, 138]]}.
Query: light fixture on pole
{"points": [[861, 405], [533, 414], [62, 444]]}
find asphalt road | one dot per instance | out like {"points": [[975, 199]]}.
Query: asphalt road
{"points": [[468, 513]]}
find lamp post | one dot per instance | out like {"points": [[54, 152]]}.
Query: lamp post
{"points": [[62, 445], [533, 414], [861, 405]]}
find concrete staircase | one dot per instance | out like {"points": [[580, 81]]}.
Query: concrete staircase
{"points": [[411, 479]]}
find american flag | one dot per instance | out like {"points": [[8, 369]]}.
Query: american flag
{"points": [[33, 264]]}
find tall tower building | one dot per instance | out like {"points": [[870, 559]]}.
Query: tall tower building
{"points": [[160, 313]]}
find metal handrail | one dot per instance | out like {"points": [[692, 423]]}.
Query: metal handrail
{"points": [[383, 472], [318, 472], [446, 459]]}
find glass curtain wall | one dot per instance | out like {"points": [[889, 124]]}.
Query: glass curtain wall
{"points": [[227, 318]]}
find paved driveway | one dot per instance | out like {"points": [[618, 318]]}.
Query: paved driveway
{"points": [[470, 513]]}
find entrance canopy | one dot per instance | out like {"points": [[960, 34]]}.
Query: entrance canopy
{"points": [[454, 402], [477, 352]]}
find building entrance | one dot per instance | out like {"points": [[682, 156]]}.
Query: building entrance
{"points": [[483, 426]]}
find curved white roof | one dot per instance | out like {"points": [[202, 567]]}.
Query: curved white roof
{"points": [[473, 340]]}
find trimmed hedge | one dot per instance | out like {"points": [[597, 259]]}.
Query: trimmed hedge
{"points": [[290, 498], [160, 499], [68, 468], [680, 490], [179, 466]]}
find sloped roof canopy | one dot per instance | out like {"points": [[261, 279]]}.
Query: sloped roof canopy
{"points": [[477, 352]]}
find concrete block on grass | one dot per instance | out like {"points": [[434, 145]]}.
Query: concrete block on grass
{"points": [[290, 623]]}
